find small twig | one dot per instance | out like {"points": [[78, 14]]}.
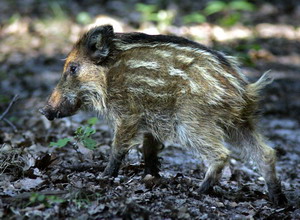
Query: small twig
{"points": [[2, 117], [15, 98], [29, 209], [10, 124]]}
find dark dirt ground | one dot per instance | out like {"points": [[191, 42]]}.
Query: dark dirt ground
{"points": [[42, 182]]}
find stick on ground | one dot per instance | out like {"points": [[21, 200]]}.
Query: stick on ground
{"points": [[2, 117]]}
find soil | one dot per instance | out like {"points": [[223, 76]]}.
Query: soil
{"points": [[42, 182]]}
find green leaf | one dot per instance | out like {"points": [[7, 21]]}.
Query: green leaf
{"points": [[255, 46], [92, 121], [83, 18], [60, 143], [231, 19], [140, 7], [194, 18], [214, 7], [152, 17], [55, 199], [79, 131], [241, 5], [89, 143], [14, 18], [4, 99], [41, 197], [57, 10], [88, 131], [33, 197]]}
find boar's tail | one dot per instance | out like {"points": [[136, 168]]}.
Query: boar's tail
{"points": [[264, 80], [253, 96], [253, 89]]}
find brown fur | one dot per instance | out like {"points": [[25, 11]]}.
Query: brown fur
{"points": [[55, 98], [156, 90]]}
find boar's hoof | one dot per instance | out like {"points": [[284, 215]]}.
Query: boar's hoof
{"points": [[276, 195], [110, 172], [207, 186], [278, 199], [151, 181]]}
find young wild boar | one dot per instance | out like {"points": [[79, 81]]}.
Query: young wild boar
{"points": [[158, 88]]}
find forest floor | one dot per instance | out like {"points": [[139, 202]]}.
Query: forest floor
{"points": [[42, 182]]}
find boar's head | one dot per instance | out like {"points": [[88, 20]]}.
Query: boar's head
{"points": [[83, 81]]}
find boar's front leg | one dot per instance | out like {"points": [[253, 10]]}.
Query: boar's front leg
{"points": [[125, 135], [116, 157]]}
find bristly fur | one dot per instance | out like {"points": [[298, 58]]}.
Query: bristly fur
{"points": [[160, 88], [141, 38]]}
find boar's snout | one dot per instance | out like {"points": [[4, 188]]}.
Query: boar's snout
{"points": [[59, 105], [49, 113], [62, 109]]}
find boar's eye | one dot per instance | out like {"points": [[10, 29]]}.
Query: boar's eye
{"points": [[73, 69]]}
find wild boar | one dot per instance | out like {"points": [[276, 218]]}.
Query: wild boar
{"points": [[158, 88]]}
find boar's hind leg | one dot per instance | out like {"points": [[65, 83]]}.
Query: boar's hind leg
{"points": [[265, 157], [217, 156], [151, 147], [125, 136], [207, 141]]}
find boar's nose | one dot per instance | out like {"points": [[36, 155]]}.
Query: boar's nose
{"points": [[50, 115]]}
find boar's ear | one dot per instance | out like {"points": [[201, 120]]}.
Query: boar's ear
{"points": [[98, 43]]}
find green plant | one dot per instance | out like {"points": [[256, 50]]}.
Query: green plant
{"points": [[149, 12], [196, 17], [245, 59], [247, 46], [214, 7], [47, 200], [57, 11], [14, 18], [242, 5], [4, 99], [83, 134], [231, 12], [84, 198], [163, 18], [60, 143], [83, 18], [242, 52]]}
